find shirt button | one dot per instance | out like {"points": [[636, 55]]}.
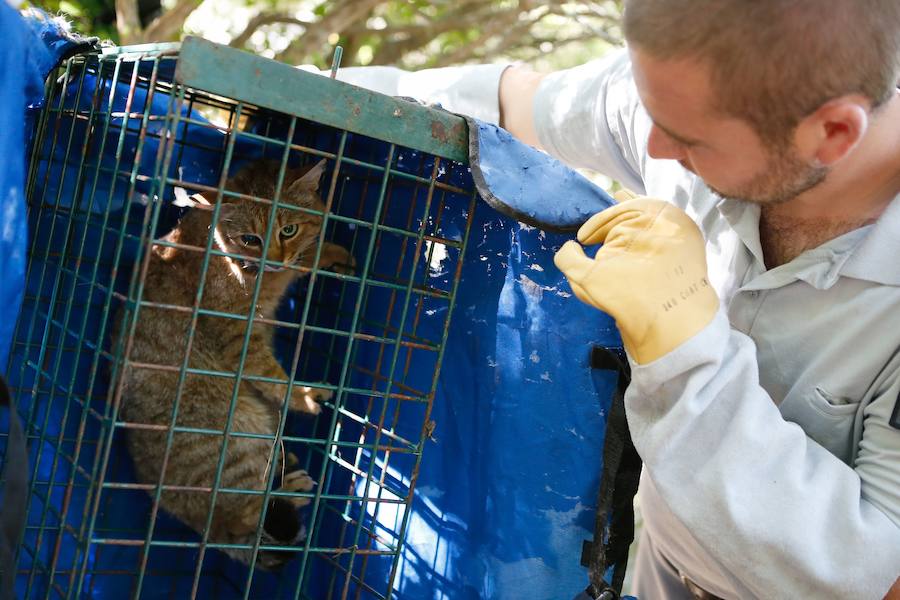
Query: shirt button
{"points": [[753, 294]]}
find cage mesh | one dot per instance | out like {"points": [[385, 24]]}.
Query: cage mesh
{"points": [[117, 135]]}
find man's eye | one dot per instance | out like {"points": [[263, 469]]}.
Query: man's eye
{"points": [[289, 231], [251, 240]]}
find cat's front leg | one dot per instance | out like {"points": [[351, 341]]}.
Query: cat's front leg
{"points": [[307, 399], [334, 258], [303, 398], [261, 362]]}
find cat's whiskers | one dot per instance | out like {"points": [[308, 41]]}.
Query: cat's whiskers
{"points": [[235, 269]]}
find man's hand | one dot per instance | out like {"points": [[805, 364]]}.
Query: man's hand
{"points": [[650, 275]]}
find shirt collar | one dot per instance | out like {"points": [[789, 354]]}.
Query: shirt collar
{"points": [[870, 253], [877, 258]]}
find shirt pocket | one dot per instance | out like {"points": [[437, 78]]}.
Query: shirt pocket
{"points": [[826, 418]]}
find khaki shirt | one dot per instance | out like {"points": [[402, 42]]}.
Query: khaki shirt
{"points": [[772, 469]]}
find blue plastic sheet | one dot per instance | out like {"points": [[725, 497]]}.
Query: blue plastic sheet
{"points": [[527, 185], [23, 61], [507, 486]]}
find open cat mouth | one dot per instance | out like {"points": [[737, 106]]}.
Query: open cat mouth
{"points": [[253, 267]]}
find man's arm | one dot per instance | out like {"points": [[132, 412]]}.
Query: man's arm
{"points": [[518, 86], [782, 514], [588, 116], [470, 89]]}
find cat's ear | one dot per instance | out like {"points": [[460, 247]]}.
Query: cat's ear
{"points": [[309, 181]]}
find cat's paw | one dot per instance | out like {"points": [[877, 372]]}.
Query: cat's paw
{"points": [[338, 259], [306, 399], [297, 481], [345, 267]]}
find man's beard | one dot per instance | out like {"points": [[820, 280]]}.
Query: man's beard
{"points": [[785, 177]]}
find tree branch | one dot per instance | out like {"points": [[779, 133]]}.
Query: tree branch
{"points": [[261, 20], [390, 51], [339, 18], [508, 25], [128, 21], [168, 26]]}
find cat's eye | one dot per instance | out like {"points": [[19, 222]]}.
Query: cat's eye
{"points": [[251, 240], [289, 231]]}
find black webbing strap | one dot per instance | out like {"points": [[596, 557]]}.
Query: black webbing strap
{"points": [[14, 501], [614, 522]]}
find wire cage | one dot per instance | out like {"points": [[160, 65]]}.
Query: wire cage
{"points": [[124, 130]]}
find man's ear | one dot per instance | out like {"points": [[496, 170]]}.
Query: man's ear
{"points": [[309, 181], [834, 129]]}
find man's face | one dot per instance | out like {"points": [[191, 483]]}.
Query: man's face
{"points": [[724, 151]]}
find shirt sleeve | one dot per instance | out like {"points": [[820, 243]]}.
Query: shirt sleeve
{"points": [[590, 116], [783, 515], [469, 89]]}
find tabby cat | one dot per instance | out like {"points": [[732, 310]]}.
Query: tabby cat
{"points": [[161, 338]]}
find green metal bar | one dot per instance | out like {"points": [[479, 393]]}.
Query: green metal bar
{"points": [[76, 202], [102, 460], [384, 334], [191, 329], [336, 61], [434, 381], [37, 562], [379, 425], [339, 218], [373, 457], [412, 177], [385, 284], [28, 423], [366, 294], [140, 51], [244, 348], [38, 142], [86, 522], [255, 80], [225, 374], [279, 429], [367, 423], [340, 393], [54, 295], [303, 327], [223, 546], [327, 483]]}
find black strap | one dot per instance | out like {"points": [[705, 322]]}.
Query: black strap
{"points": [[15, 496], [614, 522]]}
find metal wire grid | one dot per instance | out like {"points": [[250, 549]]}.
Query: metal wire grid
{"points": [[377, 335]]}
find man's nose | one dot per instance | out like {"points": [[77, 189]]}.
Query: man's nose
{"points": [[661, 146]]}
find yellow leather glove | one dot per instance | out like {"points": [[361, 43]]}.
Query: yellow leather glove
{"points": [[650, 275]]}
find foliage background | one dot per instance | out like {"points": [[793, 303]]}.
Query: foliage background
{"points": [[412, 34]]}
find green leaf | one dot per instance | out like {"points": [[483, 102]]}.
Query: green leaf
{"points": [[70, 9]]}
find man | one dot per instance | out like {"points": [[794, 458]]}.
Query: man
{"points": [[764, 330]]}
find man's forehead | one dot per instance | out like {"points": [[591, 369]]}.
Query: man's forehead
{"points": [[682, 80]]}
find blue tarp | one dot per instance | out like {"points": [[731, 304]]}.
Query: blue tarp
{"points": [[507, 487], [23, 63]]}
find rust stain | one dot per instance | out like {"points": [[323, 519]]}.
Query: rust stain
{"points": [[354, 107], [439, 132], [458, 131]]}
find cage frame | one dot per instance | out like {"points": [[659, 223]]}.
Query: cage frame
{"points": [[394, 121]]}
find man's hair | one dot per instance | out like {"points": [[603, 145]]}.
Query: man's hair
{"points": [[773, 62]]}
